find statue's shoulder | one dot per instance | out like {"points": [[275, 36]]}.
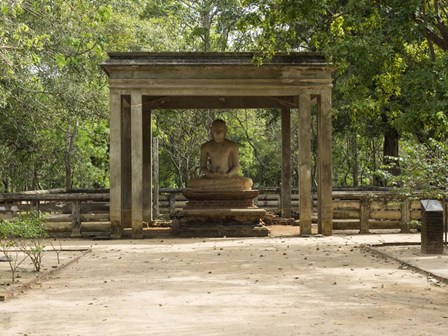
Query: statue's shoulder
{"points": [[232, 144], [207, 144]]}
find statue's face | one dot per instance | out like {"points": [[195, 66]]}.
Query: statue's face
{"points": [[219, 132]]}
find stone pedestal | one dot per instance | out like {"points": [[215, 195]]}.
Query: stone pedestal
{"points": [[432, 227], [213, 213]]}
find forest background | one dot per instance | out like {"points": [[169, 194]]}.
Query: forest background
{"points": [[390, 96]]}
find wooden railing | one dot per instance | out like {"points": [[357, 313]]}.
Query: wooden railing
{"points": [[63, 211], [87, 211]]}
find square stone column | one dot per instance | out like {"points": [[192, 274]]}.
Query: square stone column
{"points": [[126, 162], [137, 164], [305, 195], [285, 192], [115, 164], [324, 164], [147, 166]]}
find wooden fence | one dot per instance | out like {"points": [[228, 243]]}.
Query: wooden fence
{"points": [[86, 212], [64, 212]]}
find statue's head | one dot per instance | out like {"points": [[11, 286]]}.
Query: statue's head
{"points": [[218, 130]]}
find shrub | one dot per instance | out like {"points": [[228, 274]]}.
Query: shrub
{"points": [[22, 238]]}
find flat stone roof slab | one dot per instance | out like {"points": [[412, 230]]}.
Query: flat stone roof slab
{"points": [[201, 58]]}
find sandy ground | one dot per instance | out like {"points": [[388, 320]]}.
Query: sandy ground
{"points": [[257, 286]]}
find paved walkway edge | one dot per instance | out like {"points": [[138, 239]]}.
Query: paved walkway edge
{"points": [[373, 250], [20, 289]]}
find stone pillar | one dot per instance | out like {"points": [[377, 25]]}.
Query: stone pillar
{"points": [[147, 166], [155, 177], [126, 163], [324, 165], [285, 192], [137, 164], [305, 195], [115, 164]]}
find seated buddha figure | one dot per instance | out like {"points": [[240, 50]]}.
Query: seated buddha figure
{"points": [[220, 163]]}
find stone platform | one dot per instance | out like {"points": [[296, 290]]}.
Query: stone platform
{"points": [[193, 229], [212, 213]]}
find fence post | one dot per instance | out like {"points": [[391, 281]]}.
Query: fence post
{"points": [[35, 206], [405, 215], [76, 219], [364, 215]]}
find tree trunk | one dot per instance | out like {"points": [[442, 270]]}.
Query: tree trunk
{"points": [[390, 150], [69, 149], [376, 181], [6, 184], [355, 161], [34, 183], [206, 25]]}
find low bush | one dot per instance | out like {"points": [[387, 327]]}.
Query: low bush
{"points": [[20, 238]]}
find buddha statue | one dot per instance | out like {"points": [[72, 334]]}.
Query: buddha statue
{"points": [[220, 202], [220, 163]]}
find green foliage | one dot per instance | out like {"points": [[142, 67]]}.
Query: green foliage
{"points": [[51, 90], [206, 25], [424, 168], [92, 149], [22, 238], [391, 70], [180, 134], [414, 224], [391, 78], [25, 226], [257, 132]]}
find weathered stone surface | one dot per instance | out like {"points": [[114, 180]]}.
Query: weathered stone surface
{"points": [[204, 229], [220, 199], [220, 184], [217, 214], [238, 216]]}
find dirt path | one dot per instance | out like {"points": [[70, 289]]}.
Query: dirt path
{"points": [[272, 286]]}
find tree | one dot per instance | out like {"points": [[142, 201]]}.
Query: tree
{"points": [[58, 77], [390, 82], [379, 49], [52, 89], [207, 25], [180, 144]]}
